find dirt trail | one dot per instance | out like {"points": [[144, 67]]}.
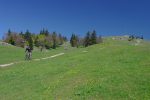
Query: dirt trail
{"points": [[9, 64]]}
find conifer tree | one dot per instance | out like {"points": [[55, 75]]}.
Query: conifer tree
{"points": [[9, 32], [87, 40], [27, 35], [71, 40], [44, 32], [60, 39], [54, 35], [28, 38], [93, 37], [74, 40]]}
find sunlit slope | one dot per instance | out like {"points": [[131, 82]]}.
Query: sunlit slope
{"points": [[9, 53], [113, 70]]}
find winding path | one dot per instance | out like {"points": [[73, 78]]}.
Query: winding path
{"points": [[5, 65]]}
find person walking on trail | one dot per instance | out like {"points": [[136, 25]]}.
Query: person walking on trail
{"points": [[28, 52]]}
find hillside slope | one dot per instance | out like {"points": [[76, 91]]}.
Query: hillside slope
{"points": [[113, 70], [9, 53]]}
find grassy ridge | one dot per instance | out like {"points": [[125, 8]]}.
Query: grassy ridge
{"points": [[108, 71]]}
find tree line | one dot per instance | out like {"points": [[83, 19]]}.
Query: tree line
{"points": [[90, 38], [43, 39], [132, 37]]}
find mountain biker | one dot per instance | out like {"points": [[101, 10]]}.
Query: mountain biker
{"points": [[28, 52]]}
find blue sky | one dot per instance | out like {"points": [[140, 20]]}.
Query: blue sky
{"points": [[107, 17]]}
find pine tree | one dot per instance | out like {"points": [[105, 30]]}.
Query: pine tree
{"points": [[74, 40], [71, 40], [27, 35], [28, 38], [60, 39], [54, 35], [9, 32], [87, 40], [93, 37], [44, 32]]}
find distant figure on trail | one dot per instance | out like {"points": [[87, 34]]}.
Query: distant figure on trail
{"points": [[41, 49], [28, 52]]}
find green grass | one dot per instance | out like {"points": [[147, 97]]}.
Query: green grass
{"points": [[12, 54], [114, 70]]}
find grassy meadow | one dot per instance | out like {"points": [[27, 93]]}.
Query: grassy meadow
{"points": [[112, 70]]}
